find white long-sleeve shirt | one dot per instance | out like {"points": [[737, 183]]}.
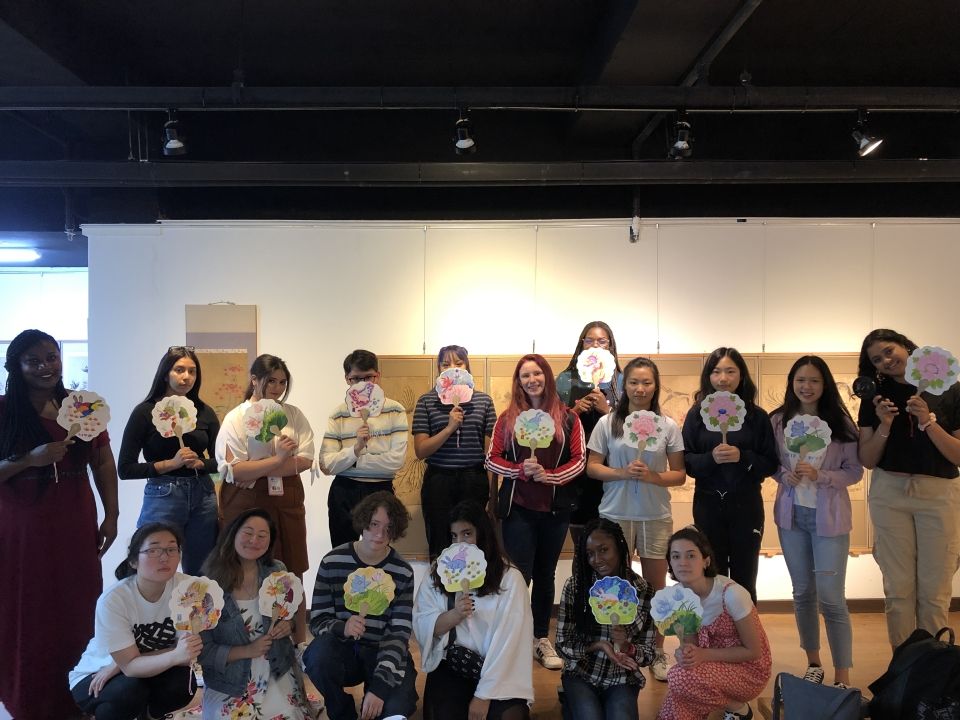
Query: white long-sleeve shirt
{"points": [[233, 435], [500, 629], [385, 451]]}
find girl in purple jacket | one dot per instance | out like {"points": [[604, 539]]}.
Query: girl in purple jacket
{"points": [[812, 509]]}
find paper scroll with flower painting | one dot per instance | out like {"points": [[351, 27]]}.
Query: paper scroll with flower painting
{"points": [[677, 610], [932, 369], [723, 412], [807, 438], [596, 366], [643, 430]]}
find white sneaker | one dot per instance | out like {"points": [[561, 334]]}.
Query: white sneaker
{"points": [[544, 652], [659, 666]]}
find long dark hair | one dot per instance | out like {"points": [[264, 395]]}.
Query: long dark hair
{"points": [[519, 401], [222, 564], [623, 405], [746, 389], [470, 511], [865, 367], [161, 379], [126, 568], [261, 369], [572, 365], [830, 407], [20, 426], [583, 574]]}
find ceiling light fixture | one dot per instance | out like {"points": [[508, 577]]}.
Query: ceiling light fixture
{"points": [[683, 145], [172, 141], [464, 142], [866, 143], [18, 255]]}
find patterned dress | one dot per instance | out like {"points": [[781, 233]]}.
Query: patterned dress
{"points": [[694, 693], [266, 697]]}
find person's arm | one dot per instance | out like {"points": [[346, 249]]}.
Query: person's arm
{"points": [[105, 479], [873, 440], [133, 664], [507, 657], [496, 462], [213, 429], [846, 471], [394, 646], [570, 470], [40, 456], [389, 461], [674, 477], [948, 444], [698, 460], [134, 432], [571, 645], [641, 633], [598, 470], [760, 460]]}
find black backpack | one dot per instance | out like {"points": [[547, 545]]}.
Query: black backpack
{"points": [[922, 682]]}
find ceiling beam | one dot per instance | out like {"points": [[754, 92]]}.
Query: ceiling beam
{"points": [[627, 172], [572, 99]]}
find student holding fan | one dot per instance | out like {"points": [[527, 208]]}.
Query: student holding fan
{"points": [[637, 453], [452, 439], [817, 445], [911, 441], [535, 499], [729, 468], [179, 489]]}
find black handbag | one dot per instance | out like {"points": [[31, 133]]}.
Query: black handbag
{"points": [[463, 661]]}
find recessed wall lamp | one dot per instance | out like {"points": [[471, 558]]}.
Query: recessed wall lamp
{"points": [[463, 141], [866, 143], [173, 142], [683, 145]]}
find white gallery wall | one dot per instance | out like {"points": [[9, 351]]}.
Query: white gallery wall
{"points": [[323, 289]]}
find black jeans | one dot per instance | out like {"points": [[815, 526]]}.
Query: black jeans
{"points": [[442, 489], [345, 493], [447, 696], [125, 698], [733, 523]]}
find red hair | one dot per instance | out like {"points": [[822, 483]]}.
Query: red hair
{"points": [[519, 401]]}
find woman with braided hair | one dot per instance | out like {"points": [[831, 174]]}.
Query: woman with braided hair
{"points": [[49, 514]]}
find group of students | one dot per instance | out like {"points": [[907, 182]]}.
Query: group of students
{"points": [[588, 480]]}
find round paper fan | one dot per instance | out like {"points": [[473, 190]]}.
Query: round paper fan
{"points": [[83, 414]]}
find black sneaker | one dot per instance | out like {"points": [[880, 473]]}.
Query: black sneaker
{"points": [[814, 674], [731, 715]]}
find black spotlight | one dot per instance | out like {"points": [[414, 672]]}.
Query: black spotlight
{"points": [[173, 141], [683, 145], [464, 141]]}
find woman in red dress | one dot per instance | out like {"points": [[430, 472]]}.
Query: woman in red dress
{"points": [[51, 543]]}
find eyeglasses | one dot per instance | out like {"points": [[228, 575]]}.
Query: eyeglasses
{"points": [[180, 348], [369, 377], [595, 342], [156, 552]]}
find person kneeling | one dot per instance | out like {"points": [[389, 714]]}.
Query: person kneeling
{"points": [[349, 649]]}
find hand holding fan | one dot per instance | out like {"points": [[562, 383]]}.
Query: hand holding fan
{"points": [[677, 610], [932, 369], [174, 415], [195, 606], [365, 400], [613, 601], [368, 591], [643, 429], [462, 567], [596, 366], [722, 412], [280, 595], [807, 438], [455, 386], [83, 414], [264, 420], [533, 429]]}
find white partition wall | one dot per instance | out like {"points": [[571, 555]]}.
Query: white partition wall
{"points": [[323, 289]]}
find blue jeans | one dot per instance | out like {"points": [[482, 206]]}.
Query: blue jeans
{"points": [[190, 503], [533, 540], [583, 701], [818, 569], [334, 664]]}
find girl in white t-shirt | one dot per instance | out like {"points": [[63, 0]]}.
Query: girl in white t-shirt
{"points": [[635, 494], [728, 663], [135, 664]]}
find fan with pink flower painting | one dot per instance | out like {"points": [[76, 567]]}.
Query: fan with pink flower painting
{"points": [[723, 412], [643, 430], [932, 369], [455, 386]]}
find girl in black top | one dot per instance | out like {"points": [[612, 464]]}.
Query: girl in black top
{"points": [[727, 505], [179, 489]]}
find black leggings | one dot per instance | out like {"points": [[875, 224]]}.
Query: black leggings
{"points": [[442, 489], [733, 523], [125, 698]]}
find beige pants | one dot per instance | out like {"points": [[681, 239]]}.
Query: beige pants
{"points": [[917, 546]]}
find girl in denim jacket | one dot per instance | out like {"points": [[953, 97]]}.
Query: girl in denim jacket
{"points": [[249, 668]]}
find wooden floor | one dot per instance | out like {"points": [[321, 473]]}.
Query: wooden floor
{"points": [[871, 655]]}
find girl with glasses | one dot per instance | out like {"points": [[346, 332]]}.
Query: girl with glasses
{"points": [[48, 515], [179, 489], [135, 665]]}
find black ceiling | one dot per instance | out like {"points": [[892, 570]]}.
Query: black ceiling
{"points": [[346, 109]]}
